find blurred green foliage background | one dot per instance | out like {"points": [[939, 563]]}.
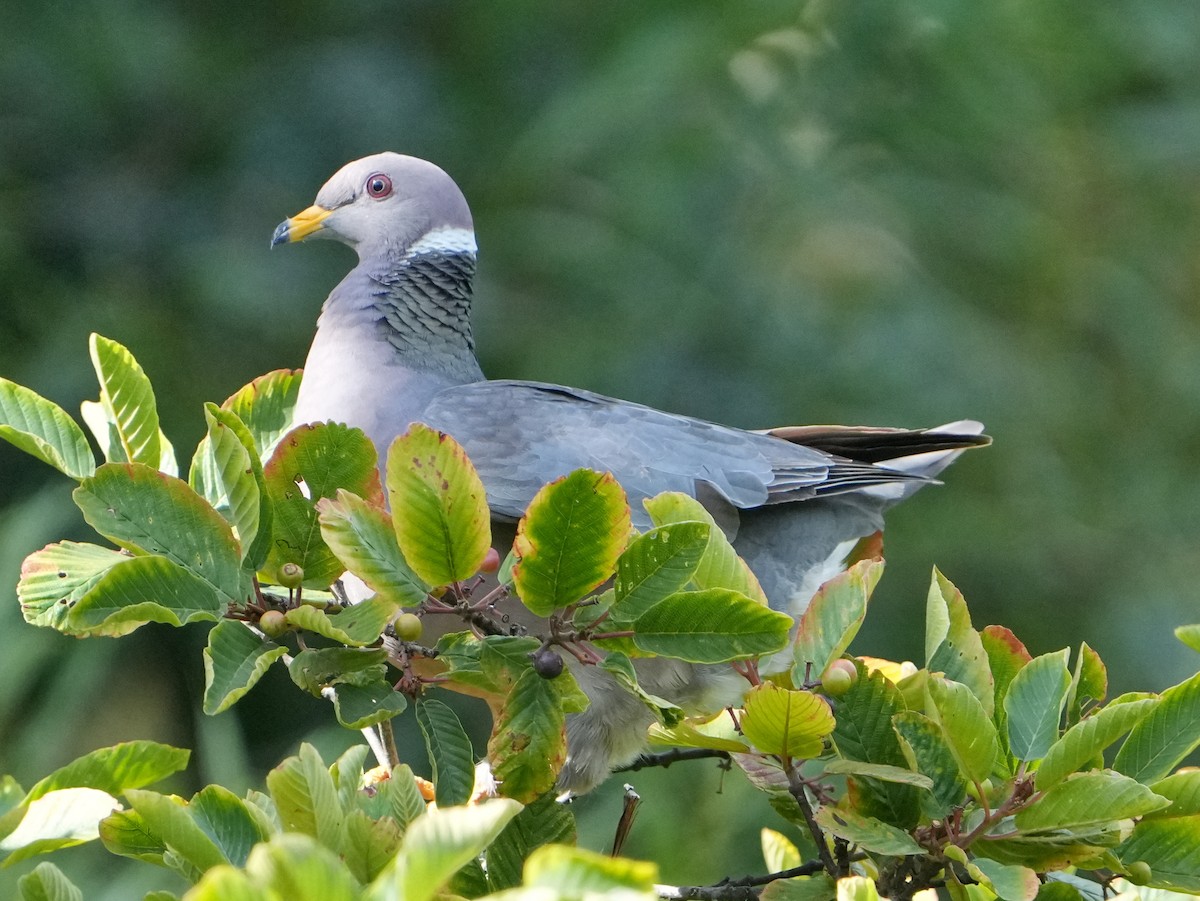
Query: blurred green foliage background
{"points": [[895, 213]]}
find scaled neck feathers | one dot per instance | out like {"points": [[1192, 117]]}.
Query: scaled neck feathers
{"points": [[419, 302]]}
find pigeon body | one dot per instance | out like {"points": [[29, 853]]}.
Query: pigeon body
{"points": [[394, 346]]}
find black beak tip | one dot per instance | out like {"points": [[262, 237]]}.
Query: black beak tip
{"points": [[281, 234]]}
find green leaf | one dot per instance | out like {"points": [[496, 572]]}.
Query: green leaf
{"points": [[952, 646], [1007, 656], [529, 742], [362, 538], [234, 660], [297, 868], [927, 749], [143, 590], [359, 706], [397, 798], [224, 883], [1189, 635], [569, 540], [439, 508], [1034, 705], [227, 472], [579, 873], [720, 567], [48, 883], [868, 833], [970, 734], [128, 402], [833, 618], [57, 819], [147, 512], [779, 852], [169, 818], [125, 832], [304, 793], [115, 769], [1183, 790], [1165, 737], [309, 463], [1088, 738], [436, 845], [43, 429], [357, 625], [1169, 847], [265, 406], [864, 732], [786, 723], [711, 626], [881, 771], [856, 888], [545, 821], [314, 669], [1088, 799], [621, 669], [369, 845], [1011, 883], [801, 888], [227, 820], [718, 734], [56, 577], [1089, 683], [450, 752], [656, 564]]}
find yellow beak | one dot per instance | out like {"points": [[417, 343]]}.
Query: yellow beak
{"points": [[301, 225]]}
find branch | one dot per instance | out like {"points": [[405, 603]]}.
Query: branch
{"points": [[743, 889], [665, 758], [796, 787]]}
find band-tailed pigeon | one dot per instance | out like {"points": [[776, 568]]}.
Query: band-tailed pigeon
{"points": [[394, 346]]}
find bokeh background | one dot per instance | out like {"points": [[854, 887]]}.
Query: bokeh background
{"points": [[759, 213]]}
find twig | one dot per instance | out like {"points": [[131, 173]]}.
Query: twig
{"points": [[665, 758], [734, 889], [796, 787]]}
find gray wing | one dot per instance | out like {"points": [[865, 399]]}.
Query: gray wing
{"points": [[521, 435]]}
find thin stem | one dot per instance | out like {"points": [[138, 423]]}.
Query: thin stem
{"points": [[797, 788], [665, 758]]}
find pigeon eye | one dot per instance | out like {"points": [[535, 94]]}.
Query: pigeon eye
{"points": [[379, 186]]}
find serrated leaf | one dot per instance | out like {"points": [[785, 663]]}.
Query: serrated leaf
{"points": [[1088, 738], [952, 646], [868, 833], [357, 625], [227, 472], [314, 669], [439, 508], [1169, 848], [569, 540], [168, 817], [43, 429], [1034, 705], [128, 401], [544, 821], [147, 512], [369, 845], [925, 746], [299, 869], [655, 565], [833, 618], [450, 752], [56, 577], [309, 463], [436, 845], [863, 732], [304, 794], [1165, 737], [234, 660], [1088, 799], [265, 406], [115, 769], [712, 625], [363, 539], [48, 883], [720, 567], [227, 820], [528, 743], [970, 734], [786, 723], [57, 819], [142, 590]]}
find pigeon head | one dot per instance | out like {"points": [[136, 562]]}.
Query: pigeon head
{"points": [[386, 205]]}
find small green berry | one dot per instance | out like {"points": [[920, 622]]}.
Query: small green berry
{"points": [[839, 677], [408, 627], [291, 575], [273, 623], [1138, 872]]}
